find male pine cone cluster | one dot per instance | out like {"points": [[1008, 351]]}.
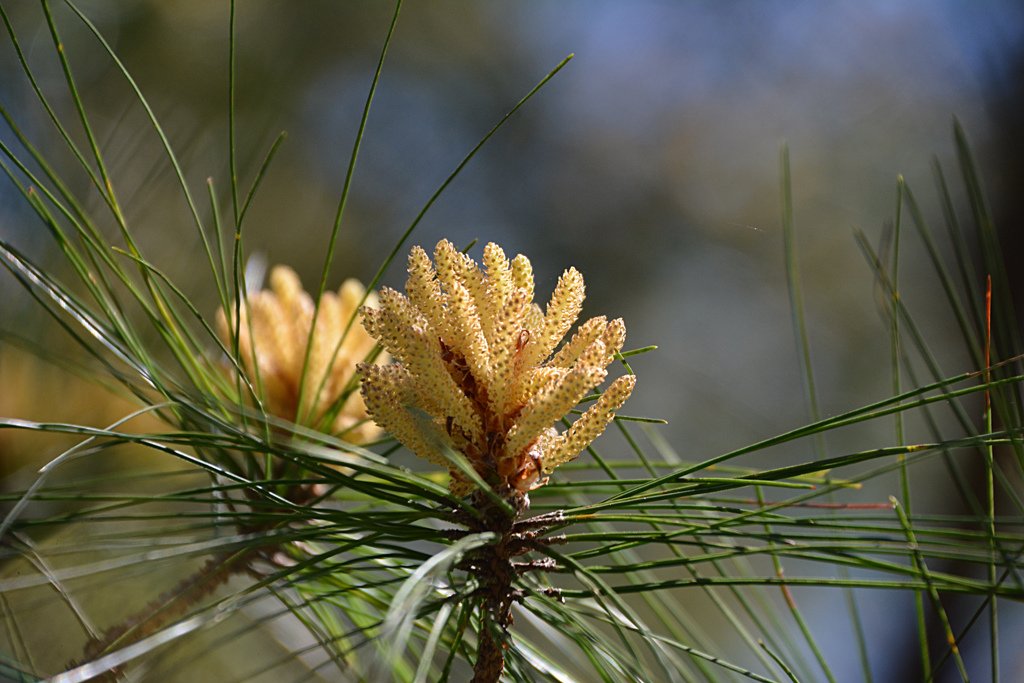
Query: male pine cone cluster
{"points": [[292, 381], [477, 369]]}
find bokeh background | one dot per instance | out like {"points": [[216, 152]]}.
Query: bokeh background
{"points": [[651, 163]]}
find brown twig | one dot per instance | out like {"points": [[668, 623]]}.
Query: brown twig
{"points": [[168, 607]]}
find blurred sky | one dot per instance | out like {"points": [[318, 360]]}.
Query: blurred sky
{"points": [[651, 162]]}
